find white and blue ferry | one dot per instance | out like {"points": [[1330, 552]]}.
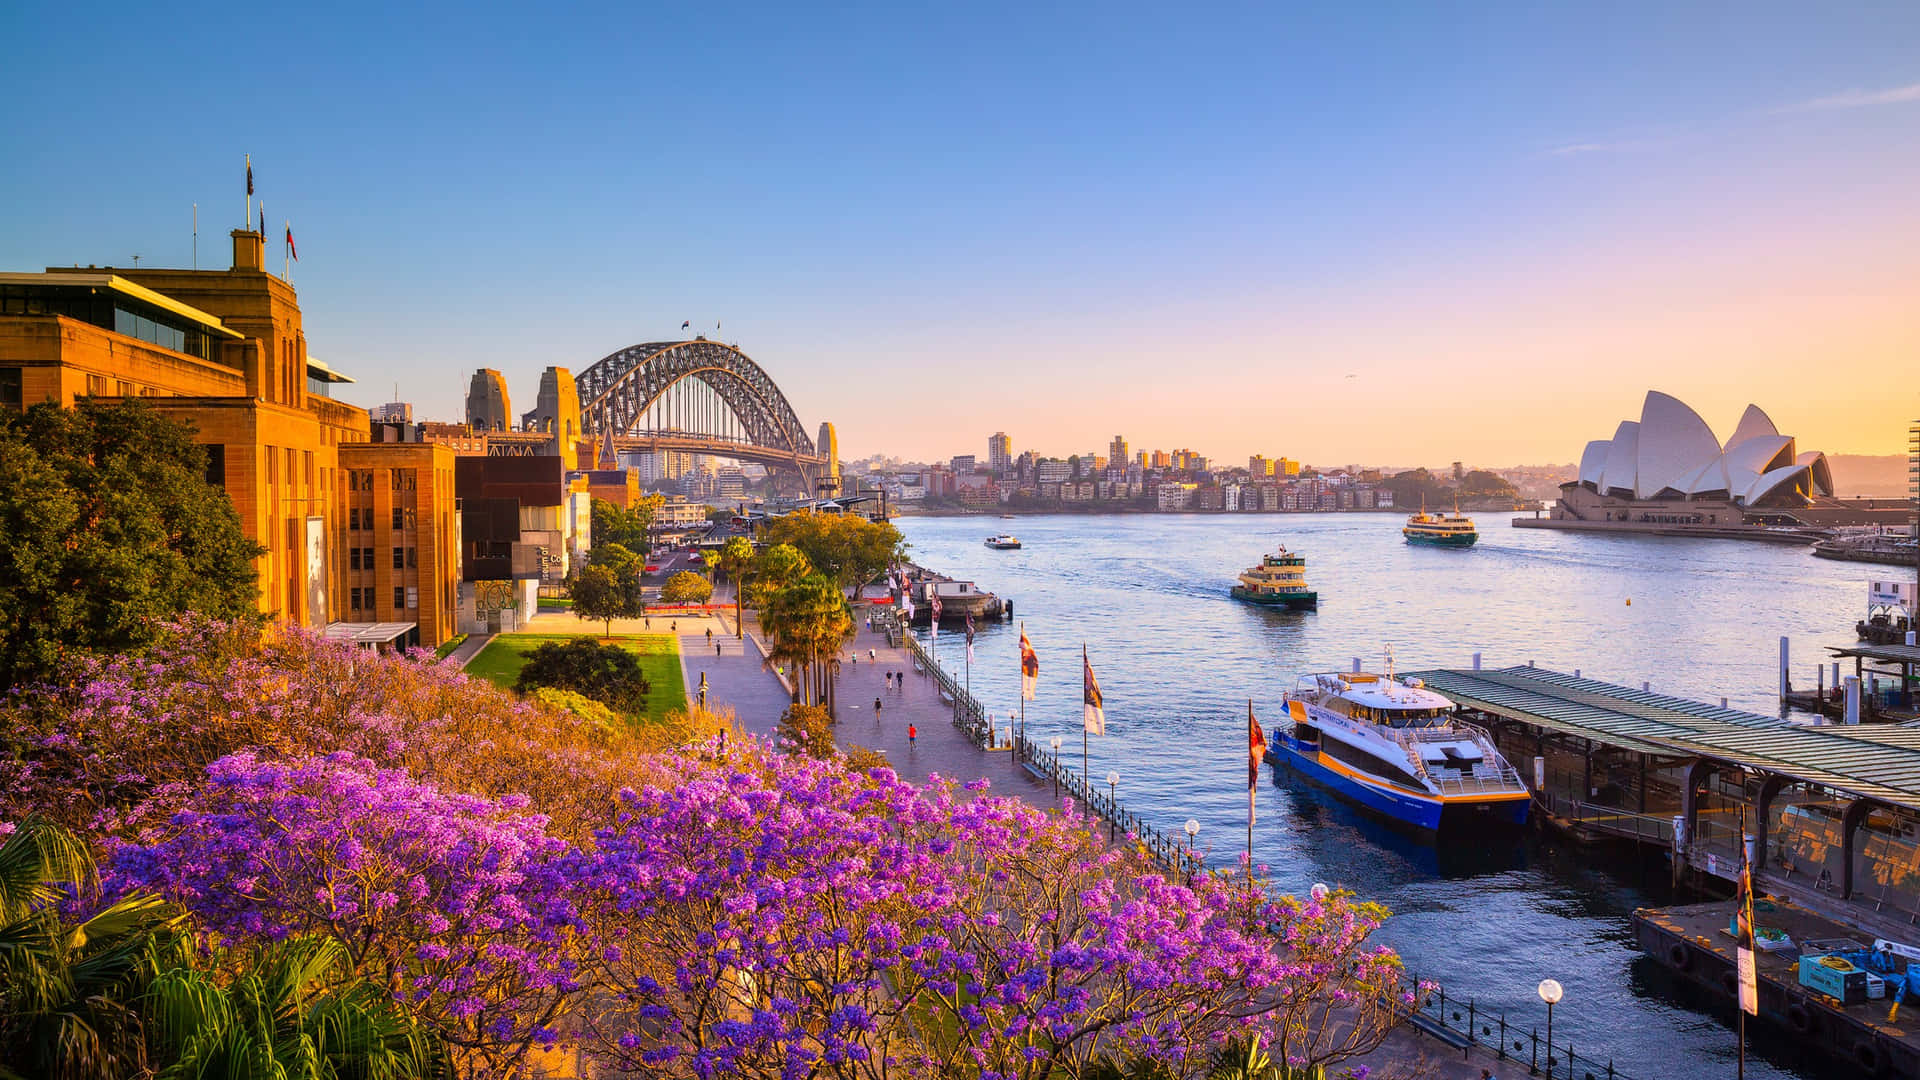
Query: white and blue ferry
{"points": [[1395, 747]]}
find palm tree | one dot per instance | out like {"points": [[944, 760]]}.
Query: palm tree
{"points": [[70, 993], [733, 560], [807, 621], [297, 1012]]}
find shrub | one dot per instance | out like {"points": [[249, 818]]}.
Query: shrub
{"points": [[606, 673]]}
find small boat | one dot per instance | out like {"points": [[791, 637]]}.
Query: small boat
{"points": [[1395, 747], [1453, 530], [1004, 542], [1279, 581]]}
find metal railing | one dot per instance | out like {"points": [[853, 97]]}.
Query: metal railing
{"points": [[1468, 1027], [1650, 828], [971, 719]]}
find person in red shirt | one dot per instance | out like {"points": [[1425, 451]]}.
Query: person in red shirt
{"points": [[913, 733]]}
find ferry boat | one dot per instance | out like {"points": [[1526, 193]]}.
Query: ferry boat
{"points": [[1395, 747], [1453, 530], [1279, 581], [1004, 542]]}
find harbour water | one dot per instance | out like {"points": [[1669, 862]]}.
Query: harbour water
{"points": [[1178, 660]]}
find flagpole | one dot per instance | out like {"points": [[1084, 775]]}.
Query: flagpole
{"points": [[1086, 664], [1021, 740], [247, 222], [196, 236], [286, 254], [1739, 1006], [1250, 788]]}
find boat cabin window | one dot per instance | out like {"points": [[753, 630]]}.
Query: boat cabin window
{"points": [[1367, 763]]}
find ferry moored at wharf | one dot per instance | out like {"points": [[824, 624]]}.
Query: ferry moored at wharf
{"points": [[1394, 747]]}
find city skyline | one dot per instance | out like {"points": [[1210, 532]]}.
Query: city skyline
{"points": [[1475, 236]]}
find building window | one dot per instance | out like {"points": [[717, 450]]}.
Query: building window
{"points": [[356, 597], [366, 558], [353, 518], [399, 559], [353, 481], [217, 464], [399, 598], [12, 399], [96, 386], [399, 518], [411, 563], [353, 563]]}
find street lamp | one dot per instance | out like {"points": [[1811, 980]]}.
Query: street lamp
{"points": [[1193, 830], [1055, 743], [1113, 807], [1551, 992], [1319, 891]]}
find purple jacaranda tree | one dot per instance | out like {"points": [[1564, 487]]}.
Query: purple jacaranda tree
{"points": [[780, 917], [446, 899]]}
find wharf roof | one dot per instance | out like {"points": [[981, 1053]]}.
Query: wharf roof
{"points": [[1899, 654], [1871, 761]]}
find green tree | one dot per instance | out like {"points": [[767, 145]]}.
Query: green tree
{"points": [[107, 527], [625, 526], [733, 560], [847, 548], [686, 587], [775, 568], [605, 672], [601, 592]]}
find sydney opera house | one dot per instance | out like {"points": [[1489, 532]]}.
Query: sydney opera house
{"points": [[1667, 467]]}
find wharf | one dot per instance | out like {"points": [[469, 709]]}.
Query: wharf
{"points": [[958, 599], [1692, 940], [1766, 534]]}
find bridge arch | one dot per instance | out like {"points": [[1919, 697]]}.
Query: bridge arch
{"points": [[617, 391]]}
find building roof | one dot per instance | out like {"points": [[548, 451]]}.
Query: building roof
{"points": [[1671, 453], [1870, 761], [317, 369], [368, 633], [115, 283]]}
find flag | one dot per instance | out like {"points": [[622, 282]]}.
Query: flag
{"points": [[1743, 947], [934, 626], [969, 637], [686, 323], [263, 221], [249, 174], [1095, 715], [291, 250], [1256, 753], [1256, 748], [1029, 666]]}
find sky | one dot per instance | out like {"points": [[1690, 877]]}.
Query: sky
{"points": [[1382, 233]]}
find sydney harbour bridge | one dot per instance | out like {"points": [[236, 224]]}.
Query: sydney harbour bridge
{"points": [[697, 396]]}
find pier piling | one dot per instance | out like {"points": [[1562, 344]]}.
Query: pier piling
{"points": [[1786, 683], [1853, 699]]}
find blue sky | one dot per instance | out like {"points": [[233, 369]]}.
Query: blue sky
{"points": [[1189, 225]]}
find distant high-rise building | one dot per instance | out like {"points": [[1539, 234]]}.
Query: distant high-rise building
{"points": [[1162, 460], [999, 452], [488, 407], [1459, 472], [1141, 459], [963, 464], [1259, 466], [1117, 451], [1286, 467], [393, 412]]}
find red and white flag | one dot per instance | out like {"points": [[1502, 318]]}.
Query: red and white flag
{"points": [[1029, 666], [1256, 753], [1095, 713]]}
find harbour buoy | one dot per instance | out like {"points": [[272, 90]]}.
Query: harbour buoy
{"points": [[1629, 601]]}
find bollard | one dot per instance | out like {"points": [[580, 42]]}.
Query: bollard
{"points": [[1503, 1036], [1356, 665], [1785, 683], [1576, 673], [1723, 703], [1476, 661], [1645, 688], [1533, 1069], [1853, 699]]}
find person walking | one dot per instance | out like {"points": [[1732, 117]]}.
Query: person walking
{"points": [[913, 734], [876, 708], [709, 635], [872, 655]]}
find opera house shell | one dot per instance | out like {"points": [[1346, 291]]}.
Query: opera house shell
{"points": [[1670, 457]]}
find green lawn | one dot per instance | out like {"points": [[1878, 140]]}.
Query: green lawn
{"points": [[500, 663]]}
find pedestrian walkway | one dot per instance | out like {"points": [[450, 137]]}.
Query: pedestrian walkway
{"points": [[468, 649]]}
